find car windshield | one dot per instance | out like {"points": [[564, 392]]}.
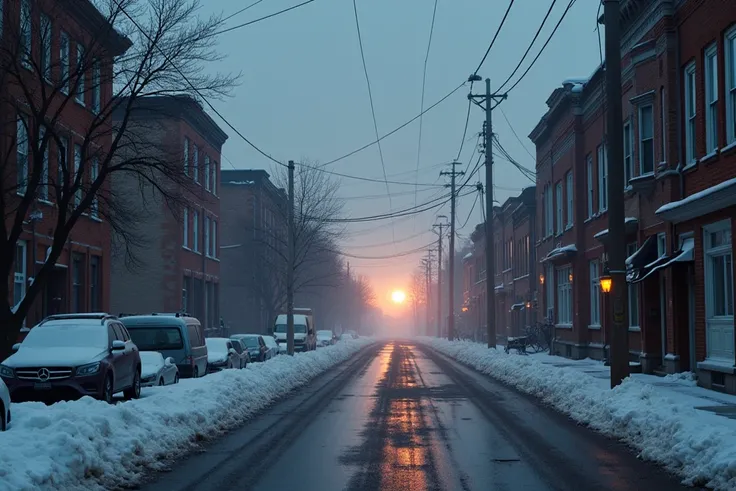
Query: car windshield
{"points": [[324, 334], [68, 334], [298, 328], [156, 338], [250, 341], [217, 345], [151, 358]]}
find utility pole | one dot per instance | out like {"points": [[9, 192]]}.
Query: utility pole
{"points": [[439, 225], [616, 222], [453, 175], [290, 267], [485, 101]]}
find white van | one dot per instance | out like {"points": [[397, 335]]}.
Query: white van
{"points": [[304, 339]]}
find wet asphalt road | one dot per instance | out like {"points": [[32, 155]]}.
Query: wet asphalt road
{"points": [[402, 417]]}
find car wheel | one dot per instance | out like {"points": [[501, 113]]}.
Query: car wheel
{"points": [[161, 382], [4, 416], [176, 378], [134, 392], [107, 389]]}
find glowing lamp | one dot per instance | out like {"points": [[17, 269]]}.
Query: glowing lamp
{"points": [[606, 282], [528, 305], [541, 279]]}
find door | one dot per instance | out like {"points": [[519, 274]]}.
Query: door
{"points": [[125, 368], [262, 348], [117, 360], [719, 300]]}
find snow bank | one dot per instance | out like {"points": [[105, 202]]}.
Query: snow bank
{"points": [[697, 445], [88, 444]]}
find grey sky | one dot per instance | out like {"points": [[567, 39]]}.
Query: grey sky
{"points": [[304, 96]]}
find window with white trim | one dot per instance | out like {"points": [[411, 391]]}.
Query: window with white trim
{"points": [[45, 35], [195, 230], [548, 212], [690, 113], [206, 171], [24, 40], [662, 125], [729, 45], [79, 96], [214, 177], [646, 139], [711, 98], [595, 294], [21, 142], [602, 179], [94, 173], [628, 154], [559, 224], [96, 88], [633, 293], [75, 173], [214, 238], [64, 56], [185, 228], [43, 185], [719, 318], [195, 164], [569, 194], [207, 236], [550, 290], [564, 295], [661, 244], [590, 177], [186, 156], [20, 275]]}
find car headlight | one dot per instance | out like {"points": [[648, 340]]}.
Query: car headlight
{"points": [[6, 372], [90, 369]]}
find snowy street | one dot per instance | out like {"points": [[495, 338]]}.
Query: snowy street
{"points": [[402, 416]]}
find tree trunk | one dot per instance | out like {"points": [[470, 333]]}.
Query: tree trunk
{"points": [[11, 329]]}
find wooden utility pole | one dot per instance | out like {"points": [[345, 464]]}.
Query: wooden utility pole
{"points": [[290, 267], [453, 173]]}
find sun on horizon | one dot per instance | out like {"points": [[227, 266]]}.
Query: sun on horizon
{"points": [[398, 296]]}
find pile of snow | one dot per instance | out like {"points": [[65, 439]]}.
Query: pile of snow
{"points": [[88, 444], [697, 445]]}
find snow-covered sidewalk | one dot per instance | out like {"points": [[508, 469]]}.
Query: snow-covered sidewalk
{"points": [[657, 416], [88, 444]]}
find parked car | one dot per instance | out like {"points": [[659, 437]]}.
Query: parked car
{"points": [[243, 354], [272, 345], [73, 355], [157, 370], [255, 345], [325, 338], [221, 355], [173, 335], [4, 406], [304, 338]]}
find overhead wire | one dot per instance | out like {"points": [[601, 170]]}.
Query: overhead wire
{"points": [[241, 10], [383, 244], [498, 31], [254, 21], [389, 256], [516, 134]]}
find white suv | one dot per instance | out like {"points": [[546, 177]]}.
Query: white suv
{"points": [[4, 406]]}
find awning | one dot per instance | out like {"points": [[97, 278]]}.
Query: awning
{"points": [[518, 306], [637, 262], [631, 226], [714, 198], [563, 252], [685, 254]]}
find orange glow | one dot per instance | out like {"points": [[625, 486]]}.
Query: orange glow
{"points": [[398, 296]]}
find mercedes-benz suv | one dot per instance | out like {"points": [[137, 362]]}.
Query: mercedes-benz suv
{"points": [[73, 355]]}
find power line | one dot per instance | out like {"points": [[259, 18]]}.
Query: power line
{"points": [[498, 31], [471, 212], [251, 22], [241, 10], [390, 256], [516, 135], [405, 239], [567, 9], [529, 48], [465, 130]]}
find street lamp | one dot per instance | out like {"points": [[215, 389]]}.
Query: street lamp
{"points": [[606, 281], [541, 279]]}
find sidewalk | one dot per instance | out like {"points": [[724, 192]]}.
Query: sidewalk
{"points": [[669, 420]]}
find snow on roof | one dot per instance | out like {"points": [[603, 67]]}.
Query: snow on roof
{"points": [[560, 251], [577, 88], [499, 287], [467, 256], [605, 230], [697, 196], [241, 183], [576, 80]]}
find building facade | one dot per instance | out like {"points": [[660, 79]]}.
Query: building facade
{"points": [[181, 262], [677, 75], [49, 37], [253, 254]]}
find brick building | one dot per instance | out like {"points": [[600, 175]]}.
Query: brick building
{"points": [[515, 264], [253, 216], [181, 270], [677, 111], [50, 37]]}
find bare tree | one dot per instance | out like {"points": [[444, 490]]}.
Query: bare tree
{"points": [[131, 49]]}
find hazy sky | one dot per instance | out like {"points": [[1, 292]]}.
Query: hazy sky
{"points": [[304, 96]]}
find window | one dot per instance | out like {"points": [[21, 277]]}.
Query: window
{"points": [[633, 292], [21, 273], [690, 114], [94, 284], [185, 240], [628, 157], [186, 288], [62, 156], [195, 164], [43, 185], [718, 256], [661, 244], [564, 295], [25, 33], [558, 202], [45, 33], [76, 172], [186, 156], [206, 171], [730, 78], [214, 238], [548, 211], [94, 172], [64, 56], [195, 230], [550, 290], [711, 99], [569, 193], [96, 88], [77, 282], [22, 155], [602, 179], [214, 177], [206, 235], [646, 140], [595, 294], [663, 125], [589, 173], [79, 97]]}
